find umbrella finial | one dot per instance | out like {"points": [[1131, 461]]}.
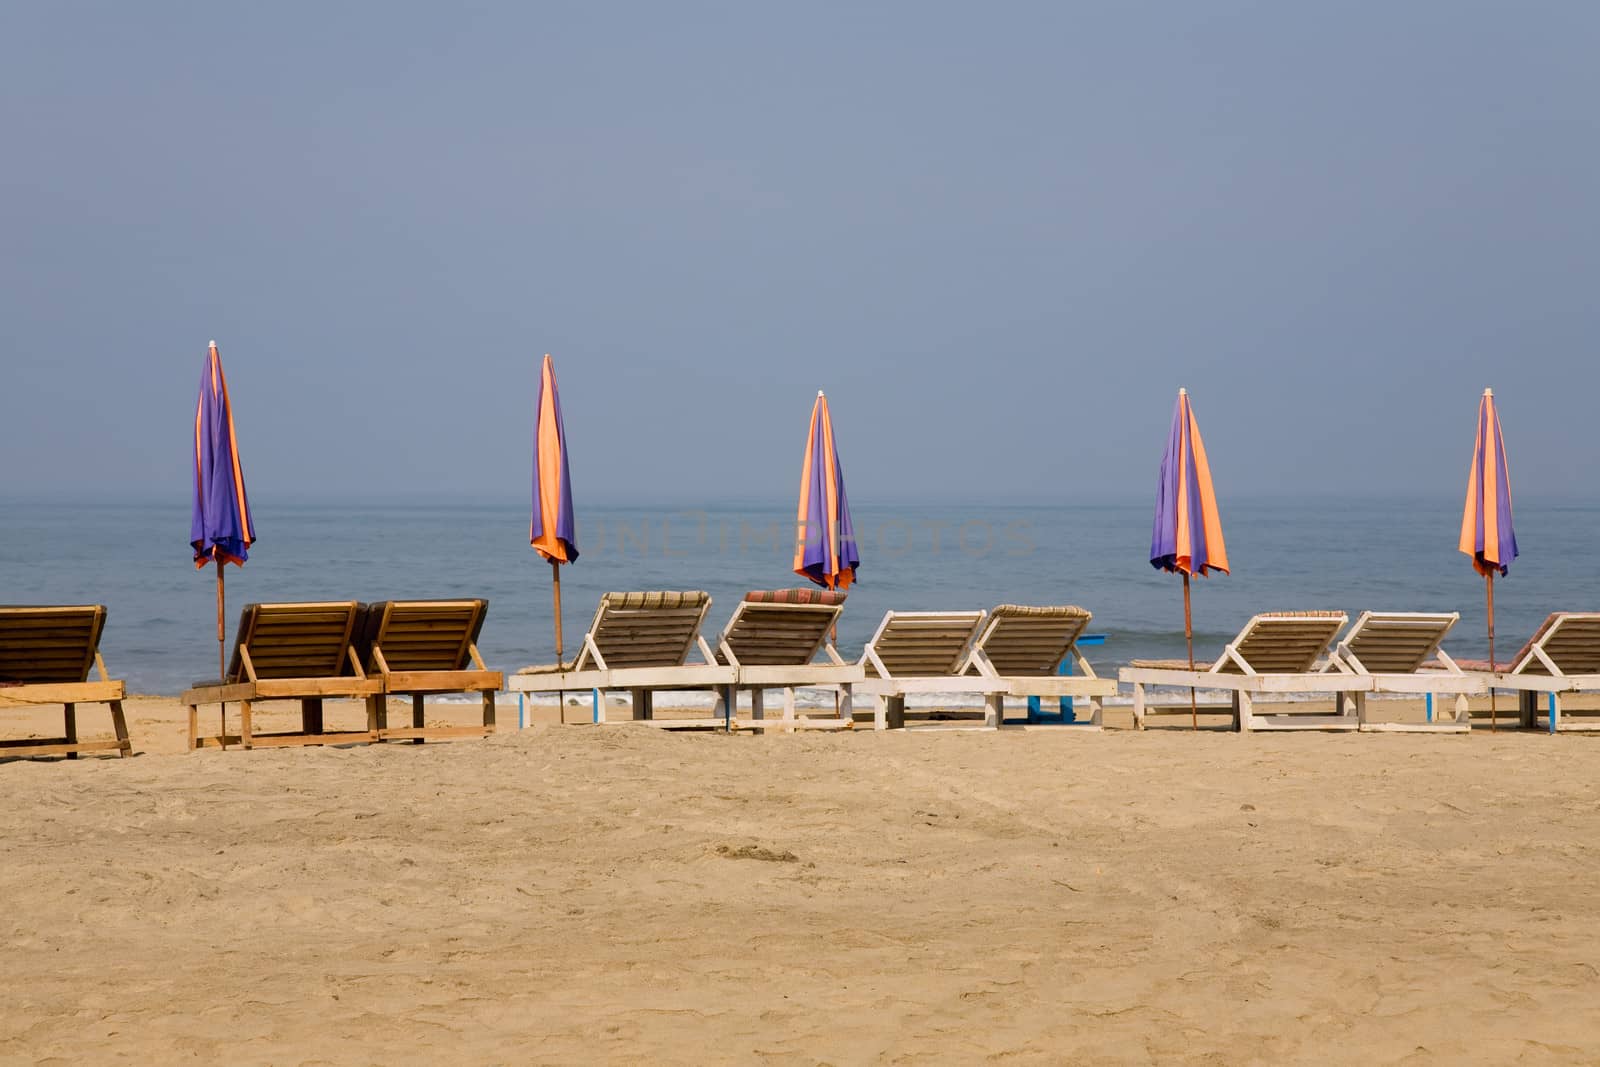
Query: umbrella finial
{"points": [[1182, 391], [819, 392], [1488, 392], [213, 343]]}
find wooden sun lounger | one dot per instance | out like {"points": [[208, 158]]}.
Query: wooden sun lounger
{"points": [[926, 652], [1562, 656], [1025, 647], [303, 652], [421, 647], [1275, 653], [773, 639], [640, 642], [1394, 649], [46, 655]]}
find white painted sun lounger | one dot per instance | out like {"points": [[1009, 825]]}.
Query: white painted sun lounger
{"points": [[1399, 651], [774, 638], [641, 643], [1276, 654], [1025, 646], [925, 652], [1562, 656]]}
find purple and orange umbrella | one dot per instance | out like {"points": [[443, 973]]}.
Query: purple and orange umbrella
{"points": [[1187, 534], [553, 531], [1486, 531], [221, 529], [825, 542]]}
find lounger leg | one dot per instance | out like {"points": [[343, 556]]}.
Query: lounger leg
{"points": [[119, 723], [788, 709], [419, 719], [1462, 714], [897, 712], [311, 715], [994, 710], [1095, 711], [1241, 701], [844, 703], [245, 736], [1555, 713], [70, 714], [1138, 705], [880, 712], [488, 713], [1360, 701], [758, 704], [194, 726], [649, 702]]}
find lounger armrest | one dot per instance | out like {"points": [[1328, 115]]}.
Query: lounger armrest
{"points": [[977, 657], [705, 650]]}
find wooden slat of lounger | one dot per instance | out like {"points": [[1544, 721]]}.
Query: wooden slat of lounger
{"points": [[1397, 644], [298, 640], [912, 646], [49, 644], [426, 635]]}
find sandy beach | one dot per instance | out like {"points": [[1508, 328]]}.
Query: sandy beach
{"points": [[627, 894]]}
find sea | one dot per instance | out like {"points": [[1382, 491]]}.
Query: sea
{"points": [[1353, 554]]}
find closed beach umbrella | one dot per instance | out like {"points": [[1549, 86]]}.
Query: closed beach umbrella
{"points": [[553, 531], [825, 543], [221, 530], [1187, 536], [1486, 532]]}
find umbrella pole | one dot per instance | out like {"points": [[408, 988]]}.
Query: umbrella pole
{"points": [[222, 668], [555, 586], [1488, 580], [1188, 639]]}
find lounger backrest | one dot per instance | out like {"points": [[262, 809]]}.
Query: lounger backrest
{"points": [[912, 644], [780, 628], [1572, 641], [1395, 642], [1029, 642], [1284, 642], [308, 640], [49, 644], [422, 635], [655, 629]]}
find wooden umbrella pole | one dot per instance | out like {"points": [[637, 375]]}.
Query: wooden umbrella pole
{"points": [[222, 667], [1188, 639], [1489, 585], [555, 577]]}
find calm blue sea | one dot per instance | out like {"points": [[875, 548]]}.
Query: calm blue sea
{"points": [[1350, 554]]}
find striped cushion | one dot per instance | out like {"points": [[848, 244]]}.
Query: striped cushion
{"points": [[795, 596], [1301, 614], [690, 599], [1063, 611]]}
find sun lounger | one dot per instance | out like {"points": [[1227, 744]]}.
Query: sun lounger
{"points": [[1025, 647], [1275, 653], [1399, 651], [640, 642], [46, 655], [773, 638], [1562, 656], [422, 647], [926, 652], [305, 652]]}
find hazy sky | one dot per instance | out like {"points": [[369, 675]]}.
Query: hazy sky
{"points": [[1000, 235]]}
